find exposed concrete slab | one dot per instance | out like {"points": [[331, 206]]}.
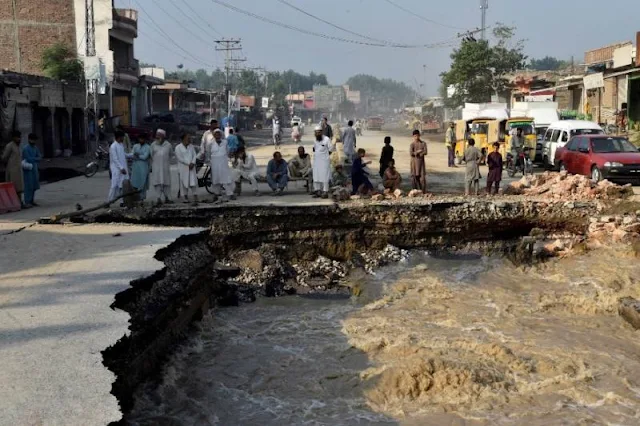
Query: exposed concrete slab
{"points": [[56, 285]]}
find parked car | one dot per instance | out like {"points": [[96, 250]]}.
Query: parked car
{"points": [[560, 132], [601, 157]]}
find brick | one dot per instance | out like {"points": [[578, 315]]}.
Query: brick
{"points": [[34, 40], [50, 11]]}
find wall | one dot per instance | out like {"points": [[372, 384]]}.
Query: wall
{"points": [[27, 29], [103, 17]]}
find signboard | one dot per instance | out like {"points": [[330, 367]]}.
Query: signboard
{"points": [[593, 81], [265, 102]]}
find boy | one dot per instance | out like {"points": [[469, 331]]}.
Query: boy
{"points": [[494, 161]]}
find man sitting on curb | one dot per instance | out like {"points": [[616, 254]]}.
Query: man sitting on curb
{"points": [[277, 174], [245, 167]]}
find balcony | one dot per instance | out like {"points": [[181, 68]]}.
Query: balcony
{"points": [[127, 72], [125, 21]]}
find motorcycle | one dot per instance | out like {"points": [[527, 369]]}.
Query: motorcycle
{"points": [[358, 131], [101, 161], [523, 164]]}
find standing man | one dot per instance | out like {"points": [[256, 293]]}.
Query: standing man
{"points": [[232, 142], [141, 166], [322, 149], [326, 128], [126, 144], [12, 157], [494, 161], [349, 141], [277, 132], [418, 151], [207, 141], [277, 174], [118, 166], [161, 151], [220, 171], [450, 143], [186, 155], [245, 167], [31, 157], [472, 158]]}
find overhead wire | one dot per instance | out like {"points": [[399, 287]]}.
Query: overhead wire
{"points": [[412, 13], [186, 28], [325, 36], [178, 54], [195, 21], [286, 3], [165, 35]]}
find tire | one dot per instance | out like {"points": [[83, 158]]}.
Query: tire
{"points": [[562, 167], [91, 169], [511, 170], [596, 174]]}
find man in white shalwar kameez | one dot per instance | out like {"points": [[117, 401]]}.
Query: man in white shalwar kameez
{"points": [[220, 172], [118, 166], [161, 151], [245, 167], [186, 155], [207, 141], [322, 149]]}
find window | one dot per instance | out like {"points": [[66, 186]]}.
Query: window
{"points": [[555, 135], [604, 145], [547, 135], [577, 132], [565, 137], [583, 145], [573, 144]]}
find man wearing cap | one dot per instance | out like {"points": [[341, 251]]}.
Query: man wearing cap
{"points": [[322, 148], [161, 151], [220, 172]]}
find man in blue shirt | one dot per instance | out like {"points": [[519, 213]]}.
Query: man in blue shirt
{"points": [[277, 174]]}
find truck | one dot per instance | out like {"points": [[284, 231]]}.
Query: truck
{"points": [[375, 123]]}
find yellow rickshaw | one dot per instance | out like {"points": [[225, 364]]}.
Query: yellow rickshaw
{"points": [[462, 132], [528, 132]]}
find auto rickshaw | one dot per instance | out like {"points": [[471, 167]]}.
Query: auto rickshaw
{"points": [[528, 132], [462, 132]]}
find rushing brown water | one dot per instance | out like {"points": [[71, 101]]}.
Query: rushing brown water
{"points": [[432, 341]]}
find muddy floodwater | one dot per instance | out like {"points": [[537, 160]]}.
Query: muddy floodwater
{"points": [[434, 340]]}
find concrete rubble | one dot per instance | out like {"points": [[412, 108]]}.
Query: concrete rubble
{"points": [[562, 186]]}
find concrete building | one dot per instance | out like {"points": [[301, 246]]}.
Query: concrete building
{"points": [[328, 98]]}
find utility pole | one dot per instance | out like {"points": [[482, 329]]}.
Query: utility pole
{"points": [[91, 83], [484, 5], [228, 46]]}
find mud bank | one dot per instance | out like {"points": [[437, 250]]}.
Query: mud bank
{"points": [[270, 251]]}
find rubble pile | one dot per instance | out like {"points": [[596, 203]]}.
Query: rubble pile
{"points": [[567, 187], [617, 229]]}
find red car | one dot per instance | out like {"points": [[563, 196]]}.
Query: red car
{"points": [[601, 157]]}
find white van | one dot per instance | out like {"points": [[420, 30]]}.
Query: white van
{"points": [[560, 132]]}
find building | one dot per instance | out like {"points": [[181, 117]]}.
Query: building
{"points": [[28, 27], [183, 95], [352, 95], [328, 98], [53, 110]]}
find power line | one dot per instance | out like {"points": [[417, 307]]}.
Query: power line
{"points": [[164, 34], [180, 55], [195, 21], [286, 3], [410, 12], [325, 36], [186, 28]]}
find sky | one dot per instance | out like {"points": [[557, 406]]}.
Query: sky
{"points": [[173, 32]]}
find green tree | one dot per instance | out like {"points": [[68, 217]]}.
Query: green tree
{"points": [[478, 69], [60, 62], [548, 63]]}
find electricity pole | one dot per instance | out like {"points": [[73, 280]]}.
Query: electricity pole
{"points": [[228, 46], [91, 84], [484, 5]]}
